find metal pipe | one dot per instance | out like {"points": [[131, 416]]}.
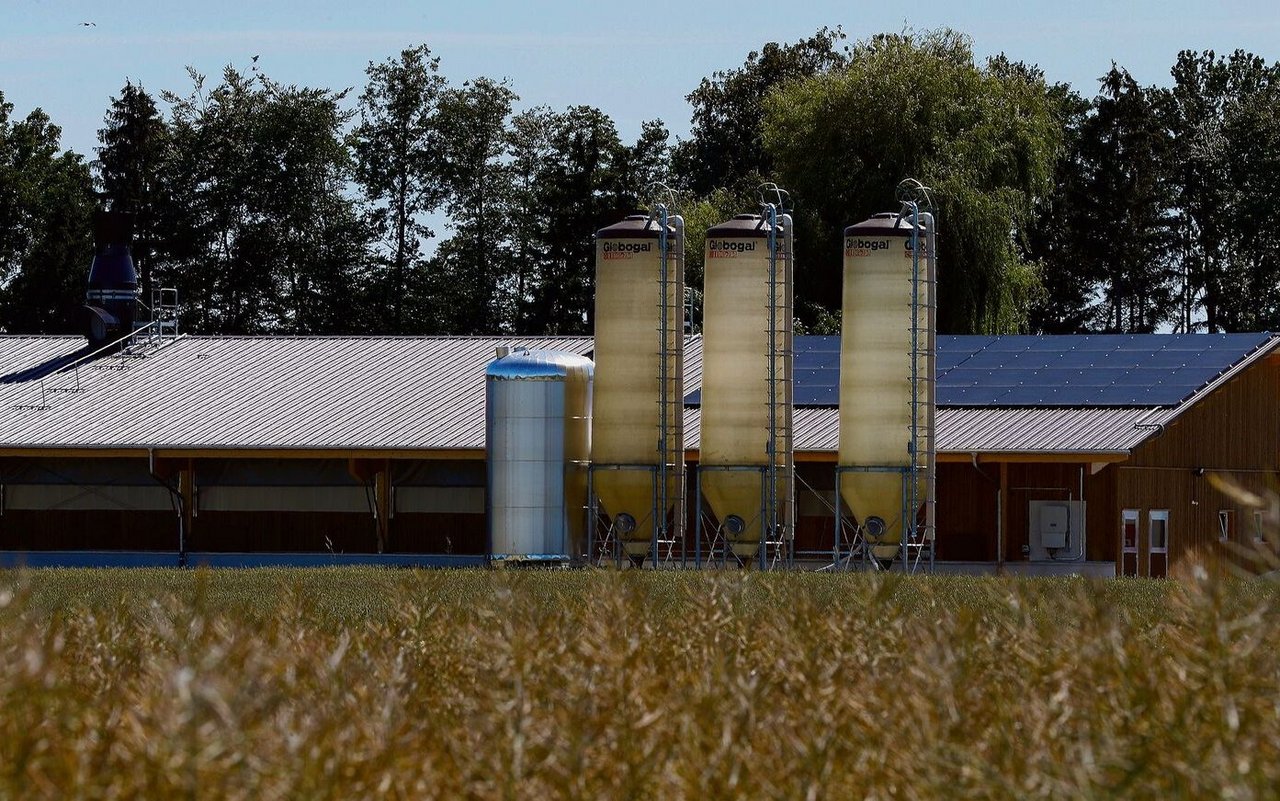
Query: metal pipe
{"points": [[789, 453], [664, 388], [1084, 517], [769, 522], [681, 511], [910, 506], [999, 510], [931, 404]]}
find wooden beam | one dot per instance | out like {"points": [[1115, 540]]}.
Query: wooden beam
{"points": [[1003, 522], [478, 454], [430, 454], [382, 503], [187, 489], [78, 453]]}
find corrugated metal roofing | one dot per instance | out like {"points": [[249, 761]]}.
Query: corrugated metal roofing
{"points": [[1053, 430], [261, 392], [403, 393]]}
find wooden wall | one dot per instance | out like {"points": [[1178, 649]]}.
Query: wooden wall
{"points": [[88, 530], [967, 504], [1233, 436]]}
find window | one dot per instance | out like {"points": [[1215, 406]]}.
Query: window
{"points": [[1129, 542], [1158, 543], [1226, 525]]}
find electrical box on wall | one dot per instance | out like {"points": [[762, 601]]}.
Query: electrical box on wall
{"points": [[1057, 531], [1055, 525]]}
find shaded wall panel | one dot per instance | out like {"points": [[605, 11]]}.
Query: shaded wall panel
{"points": [[283, 531], [350, 500], [456, 533], [967, 512], [88, 530]]}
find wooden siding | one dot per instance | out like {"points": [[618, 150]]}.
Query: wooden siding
{"points": [[88, 530], [967, 502], [1234, 434]]}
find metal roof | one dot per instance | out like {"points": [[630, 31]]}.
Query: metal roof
{"points": [[412, 393], [259, 393]]}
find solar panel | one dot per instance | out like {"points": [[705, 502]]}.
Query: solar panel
{"points": [[1064, 370], [816, 396]]}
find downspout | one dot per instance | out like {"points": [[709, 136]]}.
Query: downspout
{"points": [[999, 513], [931, 405], [179, 506]]}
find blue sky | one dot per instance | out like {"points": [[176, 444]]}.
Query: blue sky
{"points": [[635, 60]]}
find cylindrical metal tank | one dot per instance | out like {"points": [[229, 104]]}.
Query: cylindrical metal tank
{"points": [[746, 323], [638, 394], [883, 301], [538, 445]]}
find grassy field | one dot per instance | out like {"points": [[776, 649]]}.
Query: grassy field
{"points": [[373, 683]]}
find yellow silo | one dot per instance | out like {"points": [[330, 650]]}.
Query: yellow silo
{"points": [[744, 440], [638, 401], [883, 406]]}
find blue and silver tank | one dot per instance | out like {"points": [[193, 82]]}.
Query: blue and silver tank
{"points": [[538, 448]]}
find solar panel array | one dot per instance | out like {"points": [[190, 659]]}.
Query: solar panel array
{"points": [[1065, 370]]}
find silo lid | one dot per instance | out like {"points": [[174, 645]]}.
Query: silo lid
{"points": [[634, 226], [886, 223], [743, 226], [547, 365]]}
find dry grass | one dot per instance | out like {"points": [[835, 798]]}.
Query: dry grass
{"points": [[367, 683]]}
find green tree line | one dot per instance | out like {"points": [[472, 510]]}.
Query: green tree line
{"points": [[423, 206]]}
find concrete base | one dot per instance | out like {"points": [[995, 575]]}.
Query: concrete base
{"points": [[1049, 568], [43, 559]]}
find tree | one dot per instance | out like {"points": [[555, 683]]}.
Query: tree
{"points": [[46, 245], [726, 145], [1051, 238], [571, 175], [529, 148], [268, 239], [471, 264], [588, 180], [1127, 245], [1221, 115], [984, 138], [397, 149], [1250, 300], [130, 169]]}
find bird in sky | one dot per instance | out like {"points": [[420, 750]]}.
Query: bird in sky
{"points": [[255, 59], [88, 25]]}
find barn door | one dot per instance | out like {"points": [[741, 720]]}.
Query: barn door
{"points": [[1129, 542]]}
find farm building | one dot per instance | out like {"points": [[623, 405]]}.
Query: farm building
{"points": [[234, 450]]}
